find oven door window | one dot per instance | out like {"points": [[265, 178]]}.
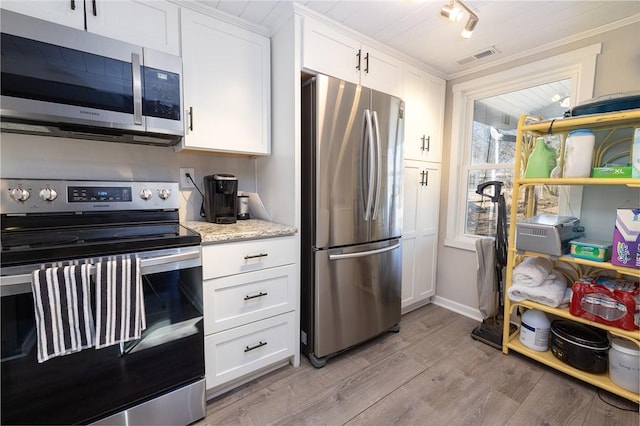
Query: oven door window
{"points": [[88, 385]]}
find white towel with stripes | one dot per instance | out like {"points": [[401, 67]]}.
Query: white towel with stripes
{"points": [[64, 319], [120, 314]]}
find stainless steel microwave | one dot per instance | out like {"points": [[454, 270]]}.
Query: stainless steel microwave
{"points": [[60, 81]]}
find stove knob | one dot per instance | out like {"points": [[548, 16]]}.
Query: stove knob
{"points": [[20, 194], [146, 194], [164, 193], [48, 194]]}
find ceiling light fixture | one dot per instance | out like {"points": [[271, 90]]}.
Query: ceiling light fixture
{"points": [[454, 11], [451, 11]]}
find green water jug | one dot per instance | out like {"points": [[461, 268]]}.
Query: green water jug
{"points": [[541, 160]]}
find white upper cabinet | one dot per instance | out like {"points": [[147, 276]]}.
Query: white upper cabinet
{"points": [[424, 115], [329, 51], [152, 24], [227, 86], [65, 12]]}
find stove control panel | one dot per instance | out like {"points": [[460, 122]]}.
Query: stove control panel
{"points": [[24, 196]]}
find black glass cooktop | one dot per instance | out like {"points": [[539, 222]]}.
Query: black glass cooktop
{"points": [[52, 239]]}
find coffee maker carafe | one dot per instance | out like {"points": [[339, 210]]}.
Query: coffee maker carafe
{"points": [[220, 198]]}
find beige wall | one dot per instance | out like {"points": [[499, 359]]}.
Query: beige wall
{"points": [[617, 70]]}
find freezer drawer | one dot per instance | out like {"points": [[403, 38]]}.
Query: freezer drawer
{"points": [[357, 294]]}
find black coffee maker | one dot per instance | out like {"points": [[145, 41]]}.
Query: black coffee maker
{"points": [[220, 198]]}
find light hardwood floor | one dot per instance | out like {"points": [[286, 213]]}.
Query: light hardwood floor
{"points": [[430, 373]]}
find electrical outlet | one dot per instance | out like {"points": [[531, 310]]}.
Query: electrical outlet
{"points": [[185, 182]]}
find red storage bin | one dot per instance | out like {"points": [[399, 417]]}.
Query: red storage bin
{"points": [[610, 301]]}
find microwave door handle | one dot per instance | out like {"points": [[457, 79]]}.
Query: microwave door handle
{"points": [[137, 88]]}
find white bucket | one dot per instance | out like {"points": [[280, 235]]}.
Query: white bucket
{"points": [[624, 364], [578, 153], [534, 330]]}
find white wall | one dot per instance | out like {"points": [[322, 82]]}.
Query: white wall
{"points": [[618, 70], [24, 156]]}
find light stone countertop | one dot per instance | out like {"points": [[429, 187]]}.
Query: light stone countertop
{"points": [[251, 229]]}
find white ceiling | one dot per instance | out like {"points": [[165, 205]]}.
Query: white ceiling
{"points": [[415, 27]]}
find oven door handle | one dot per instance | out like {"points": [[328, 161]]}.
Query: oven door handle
{"points": [[17, 284], [178, 257]]}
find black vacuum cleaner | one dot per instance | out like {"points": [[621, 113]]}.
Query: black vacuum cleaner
{"points": [[490, 330]]}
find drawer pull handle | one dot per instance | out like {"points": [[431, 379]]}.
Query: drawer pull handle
{"points": [[259, 345], [254, 256], [255, 295]]}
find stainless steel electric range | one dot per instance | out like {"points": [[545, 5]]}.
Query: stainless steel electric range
{"points": [[156, 379]]}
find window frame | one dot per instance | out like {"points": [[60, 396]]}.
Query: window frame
{"points": [[579, 65]]}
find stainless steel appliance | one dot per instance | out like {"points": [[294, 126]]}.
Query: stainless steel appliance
{"points": [[60, 81], [351, 215], [157, 379], [221, 198]]}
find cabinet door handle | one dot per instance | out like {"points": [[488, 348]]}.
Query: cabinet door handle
{"points": [[366, 61], [191, 118], [95, 8], [259, 345], [254, 256], [359, 55], [426, 142], [424, 178], [254, 296], [73, 4]]}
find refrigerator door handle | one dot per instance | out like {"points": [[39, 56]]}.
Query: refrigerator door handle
{"points": [[378, 163], [363, 253], [367, 135]]}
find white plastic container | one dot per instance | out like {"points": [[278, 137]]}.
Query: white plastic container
{"points": [[534, 330], [624, 364], [578, 153]]}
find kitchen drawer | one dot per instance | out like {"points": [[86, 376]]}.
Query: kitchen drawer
{"points": [[220, 260], [242, 350], [239, 299]]}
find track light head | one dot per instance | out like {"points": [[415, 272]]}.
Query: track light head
{"points": [[454, 11], [469, 26], [451, 12]]}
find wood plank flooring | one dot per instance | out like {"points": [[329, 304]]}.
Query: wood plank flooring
{"points": [[430, 373]]}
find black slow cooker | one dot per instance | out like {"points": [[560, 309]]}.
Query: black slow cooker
{"points": [[579, 345]]}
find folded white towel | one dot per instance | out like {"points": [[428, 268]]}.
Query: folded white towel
{"points": [[64, 319], [551, 292], [120, 314], [532, 271]]}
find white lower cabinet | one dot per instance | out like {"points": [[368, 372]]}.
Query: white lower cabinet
{"points": [[242, 350], [250, 295], [419, 232]]}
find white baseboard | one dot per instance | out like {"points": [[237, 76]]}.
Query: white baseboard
{"points": [[459, 308]]}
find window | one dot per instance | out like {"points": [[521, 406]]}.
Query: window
{"points": [[484, 125], [492, 150]]}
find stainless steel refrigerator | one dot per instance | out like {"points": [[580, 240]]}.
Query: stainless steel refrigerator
{"points": [[351, 215]]}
